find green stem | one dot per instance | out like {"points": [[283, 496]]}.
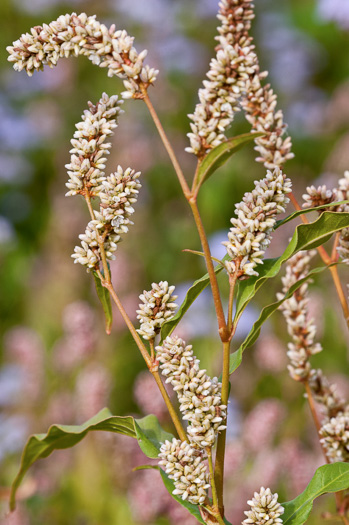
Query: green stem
{"points": [[213, 485], [192, 202], [220, 453], [222, 327], [107, 276], [166, 142]]}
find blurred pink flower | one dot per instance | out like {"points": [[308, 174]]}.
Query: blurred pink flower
{"points": [[24, 347], [80, 337], [299, 465], [147, 496], [179, 514], [234, 458], [18, 517], [262, 423], [270, 354], [266, 469], [148, 397], [93, 386]]}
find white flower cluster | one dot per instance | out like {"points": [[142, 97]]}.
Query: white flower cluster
{"points": [[335, 437], [325, 394], [184, 464], [199, 395], [89, 147], [158, 306], [265, 509], [251, 232], [229, 71], [318, 196], [259, 105], [234, 77], [119, 192], [74, 35], [301, 329]]}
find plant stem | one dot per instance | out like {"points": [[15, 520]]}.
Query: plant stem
{"points": [[107, 277], [152, 366], [192, 202], [232, 282], [328, 260], [176, 421], [166, 142], [222, 327], [220, 452], [340, 292], [213, 485], [152, 349]]}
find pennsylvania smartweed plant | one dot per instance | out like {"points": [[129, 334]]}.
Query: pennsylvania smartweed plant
{"points": [[191, 462]]}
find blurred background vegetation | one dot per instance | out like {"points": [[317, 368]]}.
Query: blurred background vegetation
{"points": [[56, 363]]}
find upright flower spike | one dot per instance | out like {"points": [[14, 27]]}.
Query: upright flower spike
{"points": [[74, 35], [235, 80], [199, 395], [301, 329], [335, 437], [87, 163], [158, 306], [229, 71], [265, 509], [185, 465], [251, 232]]}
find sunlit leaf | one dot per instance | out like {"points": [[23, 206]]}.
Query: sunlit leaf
{"points": [[328, 478], [236, 357], [297, 213], [147, 431], [220, 154], [305, 237]]}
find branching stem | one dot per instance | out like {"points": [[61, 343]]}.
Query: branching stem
{"points": [[191, 198]]}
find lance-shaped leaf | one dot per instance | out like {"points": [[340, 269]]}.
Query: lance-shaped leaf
{"points": [[193, 292], [328, 478], [147, 431], [220, 154], [305, 237], [297, 213], [236, 357], [104, 297]]}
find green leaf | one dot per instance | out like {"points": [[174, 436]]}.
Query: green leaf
{"points": [[193, 292], [236, 357], [104, 297], [296, 214], [146, 467], [220, 154], [328, 478], [150, 434], [305, 237], [147, 431], [193, 509]]}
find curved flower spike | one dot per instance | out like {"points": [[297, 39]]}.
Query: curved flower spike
{"points": [[74, 35]]}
